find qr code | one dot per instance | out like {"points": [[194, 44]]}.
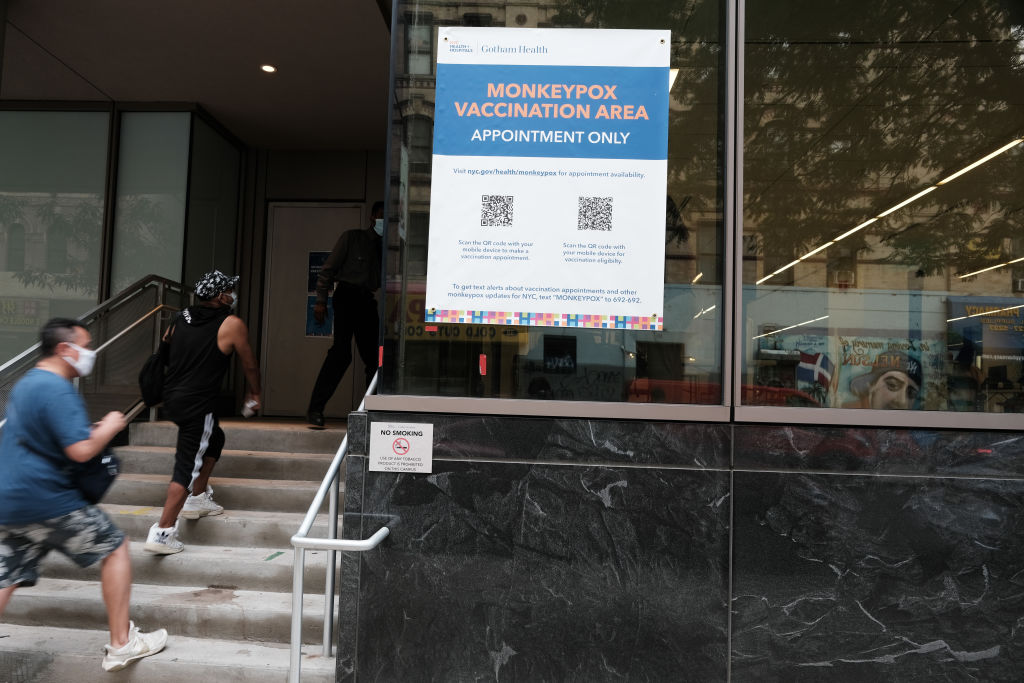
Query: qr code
{"points": [[595, 213], [496, 210]]}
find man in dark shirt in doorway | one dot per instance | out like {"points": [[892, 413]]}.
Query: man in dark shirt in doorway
{"points": [[355, 264], [202, 340]]}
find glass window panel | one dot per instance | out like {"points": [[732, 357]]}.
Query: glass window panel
{"points": [[52, 174], [419, 44], [149, 216], [874, 278], [212, 203], [683, 363]]}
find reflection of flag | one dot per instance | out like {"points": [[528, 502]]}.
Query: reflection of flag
{"points": [[814, 368]]}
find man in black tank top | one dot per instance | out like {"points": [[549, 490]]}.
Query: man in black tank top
{"points": [[202, 340]]}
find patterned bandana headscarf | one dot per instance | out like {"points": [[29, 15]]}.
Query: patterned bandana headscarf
{"points": [[214, 283]]}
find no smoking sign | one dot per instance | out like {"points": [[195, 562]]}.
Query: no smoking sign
{"points": [[401, 447]]}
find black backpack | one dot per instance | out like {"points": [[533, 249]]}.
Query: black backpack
{"points": [[151, 376]]}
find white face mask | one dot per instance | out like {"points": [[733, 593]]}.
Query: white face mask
{"points": [[85, 361], [234, 301], [378, 227]]}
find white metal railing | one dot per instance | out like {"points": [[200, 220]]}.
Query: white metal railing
{"points": [[332, 544], [24, 361]]}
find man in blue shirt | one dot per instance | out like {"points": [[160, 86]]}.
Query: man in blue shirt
{"points": [[41, 509]]}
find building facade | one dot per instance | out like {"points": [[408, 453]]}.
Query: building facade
{"points": [[813, 471]]}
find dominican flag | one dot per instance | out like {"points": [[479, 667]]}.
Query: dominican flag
{"points": [[814, 367]]}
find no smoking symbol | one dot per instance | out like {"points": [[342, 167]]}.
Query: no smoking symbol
{"points": [[400, 446]]}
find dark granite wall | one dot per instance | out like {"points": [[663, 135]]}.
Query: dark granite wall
{"points": [[595, 550]]}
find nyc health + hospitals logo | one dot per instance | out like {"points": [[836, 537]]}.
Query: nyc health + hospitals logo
{"points": [[458, 46]]}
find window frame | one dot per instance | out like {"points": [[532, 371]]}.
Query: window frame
{"points": [[731, 409]]}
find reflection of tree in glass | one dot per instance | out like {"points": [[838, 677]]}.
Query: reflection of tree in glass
{"points": [[694, 167], [72, 229], [141, 234], [851, 108], [10, 211]]}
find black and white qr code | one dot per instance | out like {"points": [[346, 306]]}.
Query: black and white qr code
{"points": [[595, 213], [496, 210]]}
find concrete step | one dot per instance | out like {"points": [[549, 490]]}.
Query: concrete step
{"points": [[234, 528], [252, 569], [233, 463], [282, 495], [252, 435], [34, 654], [193, 611]]}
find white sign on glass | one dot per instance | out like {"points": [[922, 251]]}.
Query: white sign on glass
{"points": [[548, 188]]}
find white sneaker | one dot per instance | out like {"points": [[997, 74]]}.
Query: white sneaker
{"points": [[201, 505], [139, 645], [163, 541]]}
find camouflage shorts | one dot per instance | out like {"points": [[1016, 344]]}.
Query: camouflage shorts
{"points": [[86, 536]]}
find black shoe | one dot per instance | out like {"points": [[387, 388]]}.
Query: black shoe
{"points": [[315, 420]]}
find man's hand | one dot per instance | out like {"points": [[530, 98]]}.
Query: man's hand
{"points": [[113, 422], [320, 312], [100, 435]]}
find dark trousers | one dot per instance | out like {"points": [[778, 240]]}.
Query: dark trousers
{"points": [[355, 314]]}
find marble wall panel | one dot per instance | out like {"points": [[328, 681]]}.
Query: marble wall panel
{"points": [[529, 572], [879, 451], [869, 578], [531, 439]]}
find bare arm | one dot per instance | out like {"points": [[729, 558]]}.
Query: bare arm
{"points": [[234, 336], [102, 432]]}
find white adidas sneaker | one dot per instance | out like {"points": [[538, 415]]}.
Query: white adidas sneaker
{"points": [[201, 505], [139, 645], [163, 541]]}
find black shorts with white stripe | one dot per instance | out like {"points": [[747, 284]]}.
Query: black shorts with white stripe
{"points": [[198, 438]]}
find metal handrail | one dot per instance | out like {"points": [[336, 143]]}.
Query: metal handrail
{"points": [[105, 307], [332, 544]]}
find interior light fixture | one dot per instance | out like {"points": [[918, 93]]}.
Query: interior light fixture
{"points": [[975, 315], [907, 201], [698, 277], [853, 230], [268, 68], [783, 268], [705, 310], [980, 161], [822, 247], [896, 207], [983, 270], [806, 322]]}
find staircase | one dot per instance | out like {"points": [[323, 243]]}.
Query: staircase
{"points": [[225, 601]]}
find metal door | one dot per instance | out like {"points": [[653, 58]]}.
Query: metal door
{"points": [[296, 233]]}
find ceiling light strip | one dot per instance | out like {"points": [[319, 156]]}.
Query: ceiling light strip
{"points": [[975, 315], [984, 270], [980, 161], [853, 230], [890, 210], [907, 201], [705, 310], [806, 322]]}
